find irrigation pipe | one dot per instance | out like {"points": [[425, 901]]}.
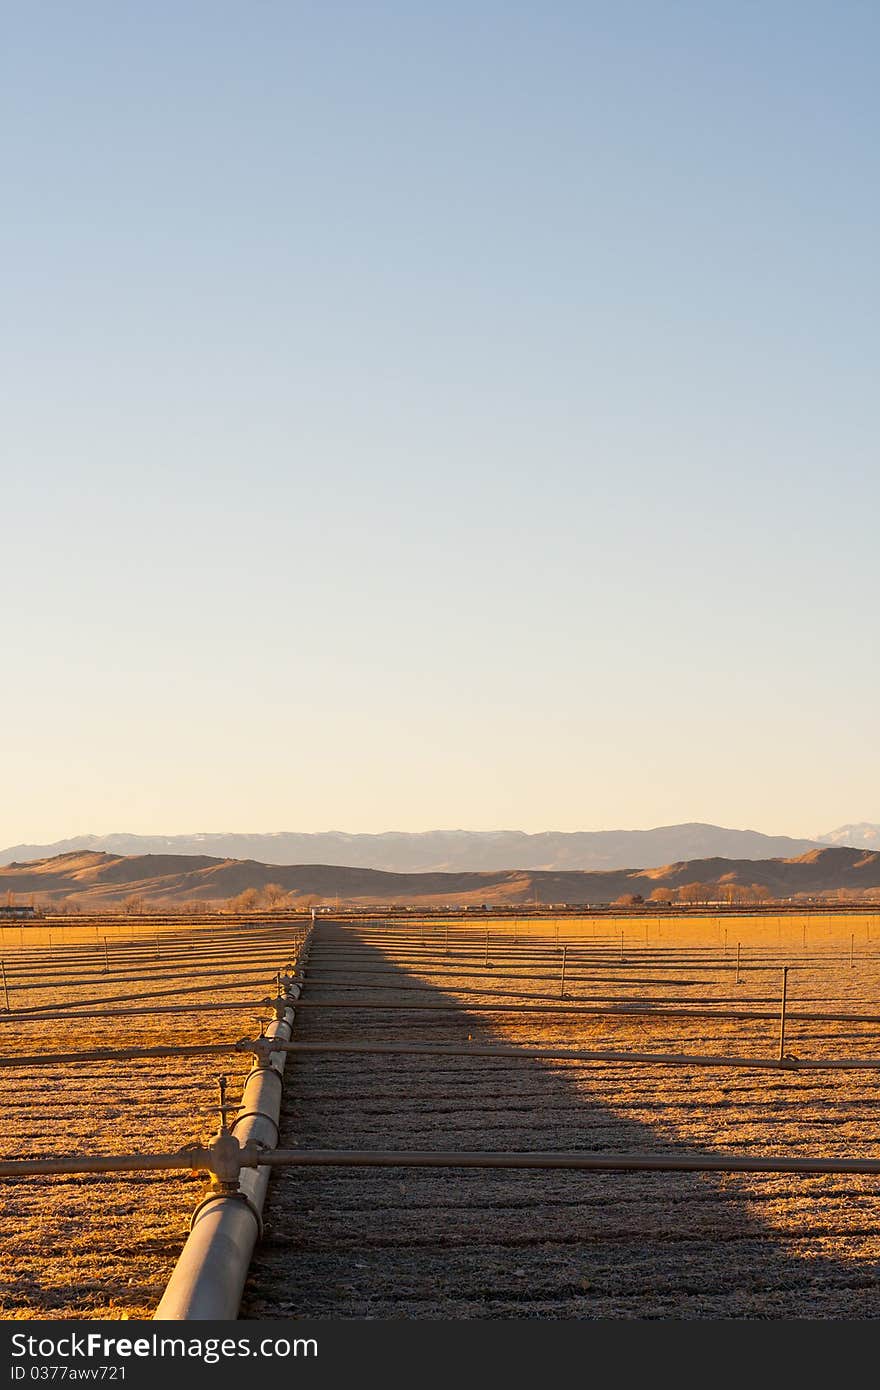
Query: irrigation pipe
{"points": [[560, 1054], [153, 1009], [63, 1006], [608, 1162], [208, 1279], [577, 1008], [116, 1054], [195, 1159], [260, 1048], [232, 1163]]}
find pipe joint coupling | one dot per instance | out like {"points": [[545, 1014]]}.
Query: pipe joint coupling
{"points": [[258, 1115], [221, 1193]]}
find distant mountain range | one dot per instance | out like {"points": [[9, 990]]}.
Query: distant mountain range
{"points": [[94, 881], [861, 836], [454, 851]]}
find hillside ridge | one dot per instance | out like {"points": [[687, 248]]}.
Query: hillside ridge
{"points": [[95, 880]]}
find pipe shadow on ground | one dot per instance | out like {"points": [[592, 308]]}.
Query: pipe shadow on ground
{"points": [[397, 1243]]}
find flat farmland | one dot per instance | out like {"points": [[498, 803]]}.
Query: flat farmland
{"points": [[97, 1246], [419, 1243], [422, 1243]]}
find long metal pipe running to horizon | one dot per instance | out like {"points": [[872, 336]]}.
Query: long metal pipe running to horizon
{"points": [[208, 1279]]}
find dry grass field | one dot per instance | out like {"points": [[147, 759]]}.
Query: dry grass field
{"points": [[448, 1243], [96, 1246]]}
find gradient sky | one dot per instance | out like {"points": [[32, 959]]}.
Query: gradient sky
{"points": [[439, 414]]}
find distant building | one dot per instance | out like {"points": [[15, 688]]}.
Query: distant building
{"points": [[18, 914]]}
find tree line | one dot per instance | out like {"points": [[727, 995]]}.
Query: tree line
{"points": [[694, 893]]}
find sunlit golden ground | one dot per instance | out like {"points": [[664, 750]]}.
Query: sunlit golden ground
{"points": [[93, 1246], [420, 1244]]}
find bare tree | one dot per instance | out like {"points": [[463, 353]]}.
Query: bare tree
{"points": [[694, 893], [246, 901], [661, 895]]}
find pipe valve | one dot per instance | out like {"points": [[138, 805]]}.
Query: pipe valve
{"points": [[260, 1048], [225, 1160]]}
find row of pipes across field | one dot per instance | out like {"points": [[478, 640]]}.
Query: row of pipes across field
{"points": [[551, 957]]}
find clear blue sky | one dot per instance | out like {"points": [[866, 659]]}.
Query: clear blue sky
{"points": [[439, 414]]}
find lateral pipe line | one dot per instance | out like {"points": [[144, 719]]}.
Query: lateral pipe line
{"points": [[33, 978], [208, 1280], [28, 967], [320, 984], [34, 1011], [635, 971], [513, 994], [145, 949], [338, 978], [627, 1012], [526, 943], [151, 973], [674, 1059], [117, 1054], [91, 1008], [257, 1047], [174, 947], [252, 1160], [672, 1163], [152, 1009], [196, 1159], [712, 957]]}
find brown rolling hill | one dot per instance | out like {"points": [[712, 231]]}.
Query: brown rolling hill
{"points": [[96, 881]]}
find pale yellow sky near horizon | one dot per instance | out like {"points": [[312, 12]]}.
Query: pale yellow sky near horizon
{"points": [[114, 746], [198, 784]]}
